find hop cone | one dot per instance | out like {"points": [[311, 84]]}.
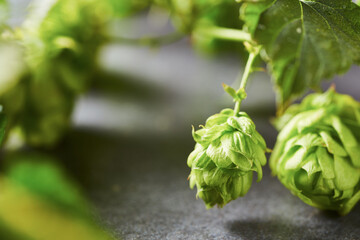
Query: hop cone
{"points": [[228, 149], [317, 154]]}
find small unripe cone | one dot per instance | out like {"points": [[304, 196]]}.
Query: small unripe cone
{"points": [[317, 154], [228, 150]]}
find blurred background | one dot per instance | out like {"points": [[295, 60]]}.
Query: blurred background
{"points": [[122, 164]]}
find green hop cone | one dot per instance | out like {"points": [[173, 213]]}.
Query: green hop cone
{"points": [[228, 150], [317, 154]]}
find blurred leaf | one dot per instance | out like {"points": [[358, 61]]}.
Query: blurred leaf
{"points": [[60, 56], [124, 8], [192, 16], [38, 202], [4, 11], [2, 125], [40, 175]]}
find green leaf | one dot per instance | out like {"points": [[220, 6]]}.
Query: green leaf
{"points": [[346, 176], [300, 122], [198, 158], [218, 153], [230, 91], [207, 135], [258, 170], [259, 154], [124, 8], [349, 141], [30, 172], [308, 141], [215, 177], [296, 159], [242, 144], [326, 163], [235, 187], [4, 11], [312, 165], [2, 125], [243, 124], [332, 146], [236, 95], [216, 119], [305, 41], [246, 183], [238, 153], [251, 11], [351, 203], [33, 192]]}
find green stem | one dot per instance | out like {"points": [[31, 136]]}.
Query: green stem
{"points": [[245, 78], [150, 41], [225, 33]]}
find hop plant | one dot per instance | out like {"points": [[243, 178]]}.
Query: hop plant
{"points": [[57, 57], [228, 150], [317, 154], [199, 17]]}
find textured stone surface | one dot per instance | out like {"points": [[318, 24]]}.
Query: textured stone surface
{"points": [[140, 191]]}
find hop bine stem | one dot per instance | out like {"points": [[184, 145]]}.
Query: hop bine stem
{"points": [[150, 41], [225, 33], [245, 78]]}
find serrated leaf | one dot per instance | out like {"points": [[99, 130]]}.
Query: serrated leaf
{"points": [[251, 11], [305, 41]]}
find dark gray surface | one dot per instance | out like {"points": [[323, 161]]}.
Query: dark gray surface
{"points": [[140, 191]]}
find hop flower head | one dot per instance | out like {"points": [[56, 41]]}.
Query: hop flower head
{"points": [[228, 149], [317, 154]]}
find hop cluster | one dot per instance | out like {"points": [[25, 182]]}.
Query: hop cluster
{"points": [[57, 58], [317, 154], [228, 149]]}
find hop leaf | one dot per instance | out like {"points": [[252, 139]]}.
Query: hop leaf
{"points": [[304, 41], [317, 154], [228, 150]]}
